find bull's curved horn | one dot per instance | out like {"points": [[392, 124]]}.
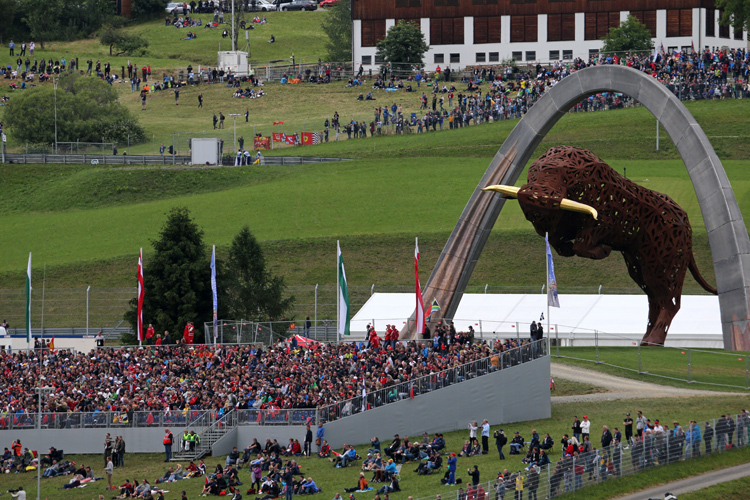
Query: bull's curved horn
{"points": [[509, 191], [575, 206], [565, 204]]}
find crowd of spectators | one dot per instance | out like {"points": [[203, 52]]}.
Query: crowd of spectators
{"points": [[175, 378], [493, 93]]}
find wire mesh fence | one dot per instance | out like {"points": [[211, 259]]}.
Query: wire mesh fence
{"points": [[544, 475]]}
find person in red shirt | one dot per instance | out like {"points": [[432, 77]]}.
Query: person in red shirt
{"points": [[189, 334], [149, 333]]}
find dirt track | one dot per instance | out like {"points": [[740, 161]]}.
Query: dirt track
{"points": [[618, 387]]}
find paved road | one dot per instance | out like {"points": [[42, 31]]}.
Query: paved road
{"points": [[618, 387], [692, 483]]}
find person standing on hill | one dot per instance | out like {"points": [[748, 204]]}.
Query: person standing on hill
{"points": [[200, 100], [221, 119], [168, 440], [215, 121], [177, 97], [107, 449]]}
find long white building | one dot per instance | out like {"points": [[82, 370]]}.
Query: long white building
{"points": [[464, 33]]}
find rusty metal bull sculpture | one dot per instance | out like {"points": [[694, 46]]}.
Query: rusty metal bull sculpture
{"points": [[589, 210]]}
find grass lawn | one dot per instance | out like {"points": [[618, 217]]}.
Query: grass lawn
{"points": [[335, 480], [731, 490], [565, 387], [706, 366]]}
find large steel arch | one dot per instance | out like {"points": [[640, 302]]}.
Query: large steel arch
{"points": [[727, 234]]}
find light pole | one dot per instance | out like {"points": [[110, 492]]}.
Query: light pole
{"points": [[234, 115], [40, 390], [87, 309], [54, 84], [316, 310]]}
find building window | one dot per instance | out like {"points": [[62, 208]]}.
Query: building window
{"points": [[494, 56], [367, 60], [517, 56], [408, 3], [447, 31], [523, 28], [484, 2], [567, 55], [738, 35], [379, 59], [593, 53], [446, 3], [679, 22], [723, 30], [531, 55], [554, 55], [561, 27], [372, 32], [481, 57], [599, 23], [647, 17], [710, 22], [487, 29], [455, 58], [671, 49], [438, 58]]}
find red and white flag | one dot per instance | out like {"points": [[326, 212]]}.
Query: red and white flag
{"points": [[140, 296], [420, 302]]}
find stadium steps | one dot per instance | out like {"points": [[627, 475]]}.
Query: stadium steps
{"points": [[209, 435]]}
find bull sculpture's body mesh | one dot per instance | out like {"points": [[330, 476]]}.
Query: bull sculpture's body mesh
{"points": [[650, 230]]}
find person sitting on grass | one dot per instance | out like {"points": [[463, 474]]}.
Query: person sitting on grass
{"points": [[272, 40], [325, 450], [309, 487], [361, 484]]}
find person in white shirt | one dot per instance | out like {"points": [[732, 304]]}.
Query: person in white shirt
{"points": [[485, 437], [585, 426]]}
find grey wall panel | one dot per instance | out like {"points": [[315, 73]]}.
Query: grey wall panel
{"points": [[494, 397]]}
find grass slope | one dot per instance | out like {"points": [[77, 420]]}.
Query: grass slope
{"points": [[335, 480], [706, 366], [731, 490]]}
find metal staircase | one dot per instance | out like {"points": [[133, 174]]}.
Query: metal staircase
{"points": [[210, 429]]}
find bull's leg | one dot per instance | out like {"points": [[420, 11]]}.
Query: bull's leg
{"points": [[661, 311], [588, 244]]}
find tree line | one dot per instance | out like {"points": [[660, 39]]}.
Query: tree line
{"points": [[177, 281]]}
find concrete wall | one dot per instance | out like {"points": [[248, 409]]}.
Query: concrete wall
{"points": [[512, 395], [85, 441]]}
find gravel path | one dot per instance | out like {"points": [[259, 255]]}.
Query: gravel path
{"points": [[692, 483], [618, 387]]}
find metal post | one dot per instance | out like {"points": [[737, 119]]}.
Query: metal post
{"points": [[596, 343], [639, 359], [54, 84], [316, 311], [689, 363], [485, 288], [518, 333], [372, 289], [87, 309], [174, 151], [657, 135], [557, 339], [481, 334], [747, 373]]}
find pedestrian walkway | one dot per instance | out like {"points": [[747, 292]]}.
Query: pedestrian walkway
{"points": [[692, 483]]}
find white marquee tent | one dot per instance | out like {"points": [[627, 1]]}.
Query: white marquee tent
{"points": [[581, 319]]}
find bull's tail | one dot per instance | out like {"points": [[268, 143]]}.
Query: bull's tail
{"points": [[697, 276]]}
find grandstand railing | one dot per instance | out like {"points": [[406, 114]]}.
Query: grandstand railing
{"points": [[434, 381], [563, 474], [105, 419]]}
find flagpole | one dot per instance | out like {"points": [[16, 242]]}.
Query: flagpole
{"points": [[546, 259], [28, 305], [44, 280], [338, 292]]}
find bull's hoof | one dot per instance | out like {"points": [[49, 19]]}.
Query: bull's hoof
{"points": [[653, 340]]}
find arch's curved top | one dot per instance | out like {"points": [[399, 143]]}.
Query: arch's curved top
{"points": [[727, 234]]}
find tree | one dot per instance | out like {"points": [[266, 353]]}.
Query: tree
{"points": [[143, 10], [177, 278], [630, 36], [338, 27], [130, 44], [251, 291], [87, 111], [735, 13], [404, 43]]}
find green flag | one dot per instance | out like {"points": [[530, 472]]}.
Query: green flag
{"points": [[344, 316], [28, 301]]}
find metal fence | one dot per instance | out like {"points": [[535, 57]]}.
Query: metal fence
{"points": [[268, 332], [434, 381], [106, 419], [568, 474]]}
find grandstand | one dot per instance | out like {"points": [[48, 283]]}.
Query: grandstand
{"points": [[488, 380]]}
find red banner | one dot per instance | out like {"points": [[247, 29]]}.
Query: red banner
{"points": [[261, 142], [279, 137], [307, 138], [292, 140], [278, 123]]}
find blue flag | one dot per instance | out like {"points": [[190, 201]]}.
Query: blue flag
{"points": [[213, 290], [552, 299]]}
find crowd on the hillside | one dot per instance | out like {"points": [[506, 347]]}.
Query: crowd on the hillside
{"points": [[199, 377], [493, 93]]}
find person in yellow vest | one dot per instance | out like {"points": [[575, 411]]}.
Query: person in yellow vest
{"points": [[195, 440], [519, 486], [186, 440]]}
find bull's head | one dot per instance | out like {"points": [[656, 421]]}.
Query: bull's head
{"points": [[547, 204]]}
